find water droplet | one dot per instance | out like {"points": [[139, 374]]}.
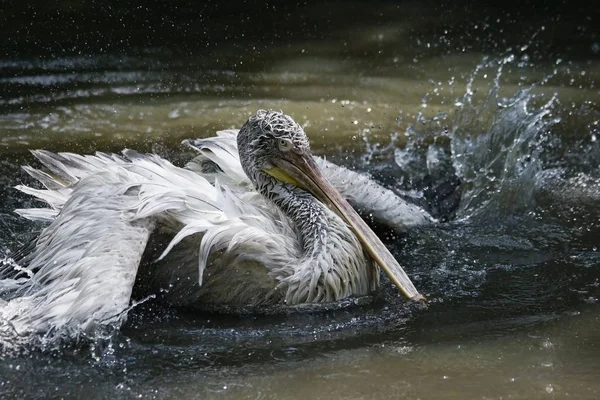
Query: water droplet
{"points": [[546, 364]]}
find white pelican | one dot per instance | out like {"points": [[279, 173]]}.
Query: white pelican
{"points": [[254, 219]]}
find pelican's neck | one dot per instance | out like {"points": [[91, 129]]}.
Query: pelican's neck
{"points": [[333, 264], [309, 215]]}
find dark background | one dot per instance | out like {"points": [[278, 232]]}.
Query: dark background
{"points": [[74, 27]]}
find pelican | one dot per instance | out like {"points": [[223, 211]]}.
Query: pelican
{"points": [[253, 219]]}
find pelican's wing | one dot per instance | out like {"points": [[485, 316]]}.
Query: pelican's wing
{"points": [[103, 208], [86, 262], [369, 197], [218, 156]]}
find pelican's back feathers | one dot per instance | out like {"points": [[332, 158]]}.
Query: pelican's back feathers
{"points": [[218, 157]]}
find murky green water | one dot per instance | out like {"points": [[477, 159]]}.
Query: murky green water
{"points": [[507, 98]]}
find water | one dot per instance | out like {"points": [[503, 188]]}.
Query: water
{"points": [[507, 99]]}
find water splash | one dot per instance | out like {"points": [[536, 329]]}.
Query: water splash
{"points": [[498, 144]]}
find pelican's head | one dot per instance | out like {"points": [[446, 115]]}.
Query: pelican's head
{"points": [[274, 148], [266, 138]]}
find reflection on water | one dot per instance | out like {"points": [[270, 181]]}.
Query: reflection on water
{"points": [[410, 93]]}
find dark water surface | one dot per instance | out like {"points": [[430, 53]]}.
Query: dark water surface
{"points": [[505, 97]]}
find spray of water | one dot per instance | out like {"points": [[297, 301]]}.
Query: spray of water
{"points": [[501, 146]]}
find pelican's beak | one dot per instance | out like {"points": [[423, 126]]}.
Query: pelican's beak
{"points": [[302, 170]]}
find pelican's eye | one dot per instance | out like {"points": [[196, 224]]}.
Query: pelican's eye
{"points": [[284, 144]]}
